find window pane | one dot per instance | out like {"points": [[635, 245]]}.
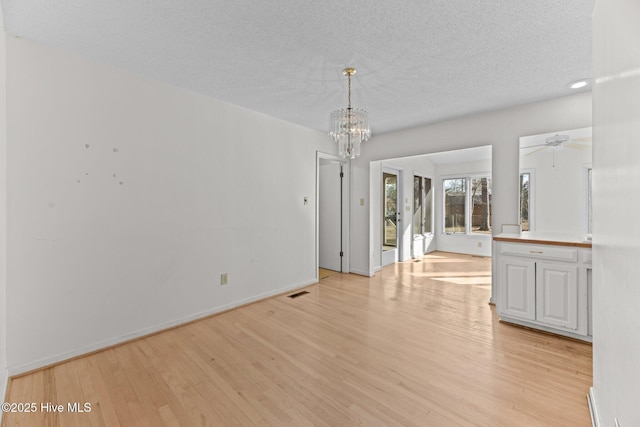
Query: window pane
{"points": [[417, 205], [524, 201], [390, 210], [428, 206], [454, 205], [481, 205]]}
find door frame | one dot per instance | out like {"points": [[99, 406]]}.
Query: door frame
{"points": [[425, 238], [386, 168], [346, 217]]}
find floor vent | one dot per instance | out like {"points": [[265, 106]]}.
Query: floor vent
{"points": [[417, 260], [298, 294]]}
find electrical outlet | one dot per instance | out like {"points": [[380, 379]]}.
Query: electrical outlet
{"points": [[224, 279], [479, 244]]}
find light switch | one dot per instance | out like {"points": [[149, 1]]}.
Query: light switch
{"points": [[361, 202]]}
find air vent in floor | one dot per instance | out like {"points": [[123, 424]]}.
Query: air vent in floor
{"points": [[298, 294]]}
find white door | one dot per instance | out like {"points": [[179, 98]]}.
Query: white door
{"points": [[517, 293], [331, 216], [391, 216], [557, 295]]}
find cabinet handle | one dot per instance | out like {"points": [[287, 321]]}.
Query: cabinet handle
{"points": [[536, 252]]}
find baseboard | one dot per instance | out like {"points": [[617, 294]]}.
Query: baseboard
{"points": [[3, 389], [102, 345], [591, 399], [361, 272]]}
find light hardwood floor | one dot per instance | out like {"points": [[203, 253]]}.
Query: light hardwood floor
{"points": [[416, 345]]}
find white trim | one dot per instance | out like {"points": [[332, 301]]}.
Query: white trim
{"points": [[346, 207], [3, 389], [593, 409], [494, 275], [399, 173], [61, 357], [537, 325], [424, 199], [366, 273], [585, 197]]}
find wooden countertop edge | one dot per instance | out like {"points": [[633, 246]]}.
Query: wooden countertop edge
{"points": [[543, 242]]}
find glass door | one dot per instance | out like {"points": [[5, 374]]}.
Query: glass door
{"points": [[391, 229], [422, 215], [422, 206]]}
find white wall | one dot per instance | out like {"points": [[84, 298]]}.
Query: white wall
{"points": [[616, 234], [3, 216], [501, 129], [127, 199]]}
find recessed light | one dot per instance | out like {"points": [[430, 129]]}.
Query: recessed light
{"points": [[579, 84]]}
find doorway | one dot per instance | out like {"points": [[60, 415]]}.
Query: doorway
{"points": [[392, 229], [422, 221], [332, 214]]}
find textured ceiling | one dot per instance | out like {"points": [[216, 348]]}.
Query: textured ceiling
{"points": [[418, 62]]}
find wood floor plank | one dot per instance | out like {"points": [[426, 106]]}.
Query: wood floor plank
{"points": [[415, 345]]}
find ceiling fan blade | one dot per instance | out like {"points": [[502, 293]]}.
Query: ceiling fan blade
{"points": [[577, 146], [532, 146], [543, 147], [583, 139]]}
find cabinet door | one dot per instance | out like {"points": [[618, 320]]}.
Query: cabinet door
{"points": [[557, 295], [517, 288]]}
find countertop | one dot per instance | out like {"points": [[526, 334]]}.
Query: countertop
{"points": [[560, 239]]}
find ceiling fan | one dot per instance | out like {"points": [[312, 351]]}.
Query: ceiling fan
{"points": [[560, 141]]}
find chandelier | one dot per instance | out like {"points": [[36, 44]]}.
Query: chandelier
{"points": [[350, 127]]}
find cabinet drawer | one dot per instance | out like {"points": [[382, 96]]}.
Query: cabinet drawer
{"points": [[559, 253]]}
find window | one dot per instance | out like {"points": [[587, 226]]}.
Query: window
{"points": [[525, 201], [467, 205], [422, 205], [455, 198], [481, 205], [390, 213]]}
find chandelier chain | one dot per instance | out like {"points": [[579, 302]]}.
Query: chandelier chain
{"points": [[349, 89]]}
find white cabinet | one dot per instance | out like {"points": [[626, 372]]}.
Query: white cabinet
{"points": [[543, 286], [557, 295], [517, 296]]}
